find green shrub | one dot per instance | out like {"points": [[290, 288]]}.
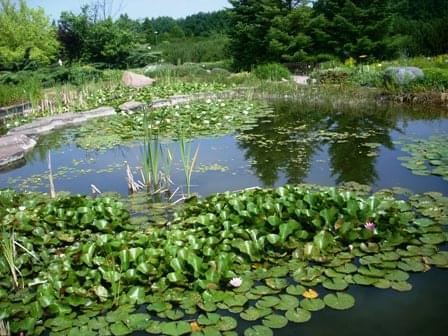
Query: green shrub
{"points": [[14, 94], [336, 75], [272, 71]]}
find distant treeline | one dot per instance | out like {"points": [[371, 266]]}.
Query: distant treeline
{"points": [[250, 32], [310, 31]]}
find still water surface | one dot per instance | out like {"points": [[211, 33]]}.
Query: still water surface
{"points": [[297, 144]]}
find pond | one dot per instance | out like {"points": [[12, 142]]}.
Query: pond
{"points": [[292, 143]]}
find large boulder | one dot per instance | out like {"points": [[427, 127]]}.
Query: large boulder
{"points": [[14, 147], [136, 81], [402, 75]]}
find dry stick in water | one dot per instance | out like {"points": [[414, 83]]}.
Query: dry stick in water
{"points": [[50, 177]]}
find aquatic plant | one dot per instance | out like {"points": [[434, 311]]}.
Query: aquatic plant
{"points": [[188, 161], [427, 156], [282, 243]]}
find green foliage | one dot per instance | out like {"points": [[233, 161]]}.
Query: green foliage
{"points": [[90, 248], [27, 37], [210, 49], [103, 42], [30, 90], [272, 71]]}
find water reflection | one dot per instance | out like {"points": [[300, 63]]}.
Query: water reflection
{"points": [[287, 142]]}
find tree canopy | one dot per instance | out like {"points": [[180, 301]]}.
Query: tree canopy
{"points": [[27, 37]]}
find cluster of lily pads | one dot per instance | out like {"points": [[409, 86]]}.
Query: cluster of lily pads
{"points": [[201, 118], [428, 156], [114, 96], [270, 257]]}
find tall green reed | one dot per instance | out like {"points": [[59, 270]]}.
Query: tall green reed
{"points": [[188, 161]]}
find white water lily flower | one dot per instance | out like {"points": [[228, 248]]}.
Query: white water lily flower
{"points": [[236, 282]]}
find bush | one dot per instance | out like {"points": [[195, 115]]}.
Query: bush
{"points": [[195, 50], [50, 76], [272, 71], [14, 94]]}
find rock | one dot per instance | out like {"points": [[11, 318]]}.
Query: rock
{"points": [[136, 81], [301, 80], [48, 124], [402, 75], [132, 106], [14, 147]]}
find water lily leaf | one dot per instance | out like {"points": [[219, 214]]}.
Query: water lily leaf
{"points": [[287, 229], [397, 275], [364, 280], [154, 328], [258, 330], [159, 307], [227, 323], [340, 301], [298, 315], [323, 239], [402, 286], [176, 328], [209, 319], [101, 292], [253, 314], [119, 329], [174, 314], [335, 284], [262, 290], [295, 290], [433, 238], [312, 304], [136, 295], [287, 302], [440, 259], [235, 300], [275, 321], [276, 283], [267, 302], [278, 271], [138, 321], [382, 283]]}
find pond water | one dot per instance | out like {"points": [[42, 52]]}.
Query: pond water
{"points": [[296, 144]]}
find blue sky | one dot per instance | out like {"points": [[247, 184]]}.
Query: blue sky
{"points": [[136, 8]]}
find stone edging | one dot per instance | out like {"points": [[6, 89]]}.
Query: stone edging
{"points": [[22, 139]]}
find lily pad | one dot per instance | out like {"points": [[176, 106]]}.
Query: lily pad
{"points": [[298, 315], [312, 304], [339, 301], [275, 321], [258, 330]]}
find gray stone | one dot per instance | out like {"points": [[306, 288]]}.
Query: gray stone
{"points": [[402, 75], [48, 124], [14, 147], [132, 106], [301, 80], [136, 81]]}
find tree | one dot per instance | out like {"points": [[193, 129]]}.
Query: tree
{"points": [[26, 36], [250, 22], [358, 27]]}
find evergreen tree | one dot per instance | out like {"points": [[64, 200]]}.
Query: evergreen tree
{"points": [[358, 27]]}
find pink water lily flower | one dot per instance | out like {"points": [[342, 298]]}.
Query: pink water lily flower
{"points": [[236, 282], [370, 226]]}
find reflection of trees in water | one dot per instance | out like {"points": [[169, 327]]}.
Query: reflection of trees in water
{"points": [[293, 134], [350, 160], [282, 143]]}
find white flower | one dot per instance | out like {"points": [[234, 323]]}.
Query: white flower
{"points": [[236, 282]]}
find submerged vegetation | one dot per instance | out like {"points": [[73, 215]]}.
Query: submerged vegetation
{"points": [[94, 264]]}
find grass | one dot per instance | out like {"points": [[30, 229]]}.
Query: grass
{"points": [[188, 161]]}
